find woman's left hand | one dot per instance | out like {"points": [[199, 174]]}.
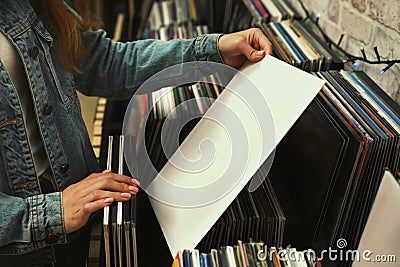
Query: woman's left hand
{"points": [[251, 44]]}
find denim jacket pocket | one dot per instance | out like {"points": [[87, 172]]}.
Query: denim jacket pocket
{"points": [[66, 88]]}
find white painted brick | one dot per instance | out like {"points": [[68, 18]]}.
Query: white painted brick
{"points": [[332, 30], [361, 5], [352, 46], [333, 10], [387, 41], [356, 25], [386, 12]]}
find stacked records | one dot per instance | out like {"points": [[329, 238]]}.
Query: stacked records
{"points": [[154, 15], [119, 219], [173, 19], [297, 43], [380, 121], [251, 254], [270, 10], [237, 16], [252, 215], [193, 101], [163, 20], [337, 152], [326, 170]]}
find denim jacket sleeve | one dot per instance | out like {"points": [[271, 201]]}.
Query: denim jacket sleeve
{"points": [[42, 223], [115, 70]]}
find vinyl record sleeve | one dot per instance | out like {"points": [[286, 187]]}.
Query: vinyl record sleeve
{"points": [[337, 61], [381, 232], [368, 158], [326, 58], [310, 44], [263, 222], [388, 118], [303, 47], [364, 189], [238, 232], [387, 100], [314, 148], [245, 207], [301, 88], [304, 64], [274, 13], [296, 61], [334, 208], [280, 7], [277, 47]]}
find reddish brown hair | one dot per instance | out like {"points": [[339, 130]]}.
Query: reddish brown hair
{"points": [[68, 29]]}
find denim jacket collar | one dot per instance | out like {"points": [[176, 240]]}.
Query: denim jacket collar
{"points": [[17, 16], [12, 21]]}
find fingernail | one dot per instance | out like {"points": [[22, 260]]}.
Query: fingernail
{"points": [[136, 181], [125, 195], [109, 200], [260, 53], [132, 188], [106, 171]]}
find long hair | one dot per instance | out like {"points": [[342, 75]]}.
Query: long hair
{"points": [[68, 28]]}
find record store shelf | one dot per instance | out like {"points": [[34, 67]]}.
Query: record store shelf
{"points": [[326, 170]]}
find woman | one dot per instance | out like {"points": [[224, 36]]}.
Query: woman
{"points": [[49, 179]]}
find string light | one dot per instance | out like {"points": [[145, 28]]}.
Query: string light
{"points": [[317, 18], [363, 52], [377, 53], [387, 67], [341, 38], [349, 56]]}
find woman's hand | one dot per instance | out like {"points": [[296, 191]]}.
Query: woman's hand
{"points": [[96, 191], [251, 44]]}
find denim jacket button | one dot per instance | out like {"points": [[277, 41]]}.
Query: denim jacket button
{"points": [[64, 168], [47, 109], [34, 52]]}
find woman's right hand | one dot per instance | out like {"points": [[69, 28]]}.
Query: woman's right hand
{"points": [[96, 191]]}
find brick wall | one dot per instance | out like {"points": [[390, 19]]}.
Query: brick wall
{"points": [[366, 23]]}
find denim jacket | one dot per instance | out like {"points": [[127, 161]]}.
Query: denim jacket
{"points": [[29, 220]]}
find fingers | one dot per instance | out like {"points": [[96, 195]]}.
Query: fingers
{"points": [[249, 44], [106, 195], [95, 177], [109, 185], [252, 54], [262, 41], [96, 205], [257, 45], [91, 207], [96, 191], [115, 182]]}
